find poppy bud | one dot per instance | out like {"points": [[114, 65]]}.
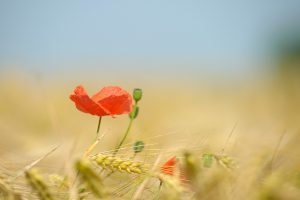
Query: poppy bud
{"points": [[134, 113], [138, 146], [137, 94]]}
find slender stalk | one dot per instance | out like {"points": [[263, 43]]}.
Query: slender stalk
{"points": [[276, 150], [124, 137], [228, 137], [91, 148], [98, 128]]}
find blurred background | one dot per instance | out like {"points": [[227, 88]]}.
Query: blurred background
{"points": [[203, 66], [199, 39]]}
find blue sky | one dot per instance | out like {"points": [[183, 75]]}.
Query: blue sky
{"points": [[156, 31]]}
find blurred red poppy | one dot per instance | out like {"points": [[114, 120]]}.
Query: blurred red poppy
{"points": [[110, 100], [169, 167]]}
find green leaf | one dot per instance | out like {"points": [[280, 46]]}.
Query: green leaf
{"points": [[138, 146], [207, 160]]}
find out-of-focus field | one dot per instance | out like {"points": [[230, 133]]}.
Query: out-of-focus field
{"points": [[176, 116]]}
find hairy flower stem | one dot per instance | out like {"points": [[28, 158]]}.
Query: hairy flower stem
{"points": [[124, 137]]}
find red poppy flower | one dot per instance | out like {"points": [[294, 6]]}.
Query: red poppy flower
{"points": [[110, 100], [169, 167]]}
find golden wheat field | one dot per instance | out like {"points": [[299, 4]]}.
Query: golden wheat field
{"points": [[198, 140], [150, 100]]}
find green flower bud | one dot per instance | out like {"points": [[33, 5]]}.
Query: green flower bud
{"points": [[134, 113], [138, 146], [137, 94]]}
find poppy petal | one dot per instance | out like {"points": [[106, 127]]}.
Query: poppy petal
{"points": [[114, 99], [85, 104]]}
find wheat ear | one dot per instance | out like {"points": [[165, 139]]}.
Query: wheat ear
{"points": [[6, 191], [115, 163], [89, 178], [37, 183]]}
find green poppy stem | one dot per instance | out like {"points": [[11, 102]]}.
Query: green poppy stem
{"points": [[124, 137], [137, 95]]}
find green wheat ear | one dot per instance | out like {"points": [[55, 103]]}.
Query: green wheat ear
{"points": [[191, 166], [37, 183], [59, 182], [89, 179], [226, 161]]}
